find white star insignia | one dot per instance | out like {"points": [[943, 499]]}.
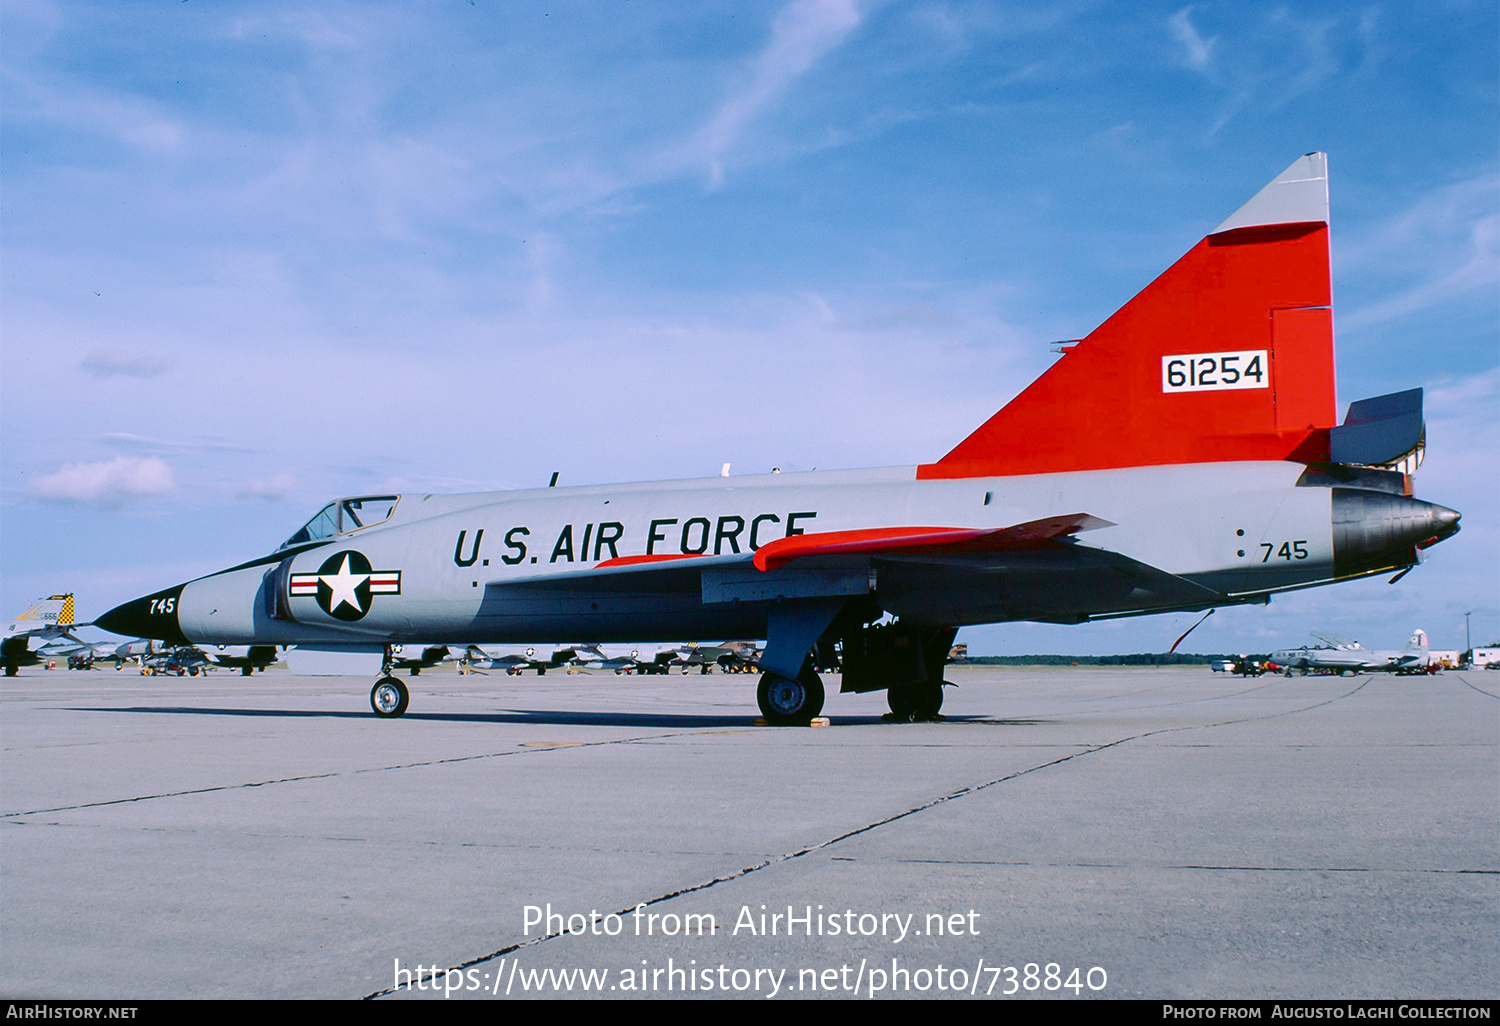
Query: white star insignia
{"points": [[343, 584]]}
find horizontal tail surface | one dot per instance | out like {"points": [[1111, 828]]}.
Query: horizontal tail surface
{"points": [[1228, 355]]}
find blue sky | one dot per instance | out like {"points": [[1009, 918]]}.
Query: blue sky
{"points": [[253, 256]]}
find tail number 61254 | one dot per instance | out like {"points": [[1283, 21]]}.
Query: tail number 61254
{"points": [[1210, 372]]}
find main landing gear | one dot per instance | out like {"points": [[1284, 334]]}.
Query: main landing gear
{"points": [[786, 702], [906, 661], [918, 702], [389, 697]]}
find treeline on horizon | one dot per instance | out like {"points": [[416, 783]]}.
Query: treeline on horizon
{"points": [[1135, 659]]}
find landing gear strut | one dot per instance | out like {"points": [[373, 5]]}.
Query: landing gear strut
{"points": [[785, 702], [389, 698]]}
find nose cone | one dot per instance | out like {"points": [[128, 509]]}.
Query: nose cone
{"points": [[154, 616]]}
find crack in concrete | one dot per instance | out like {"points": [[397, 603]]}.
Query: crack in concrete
{"points": [[1392, 871], [962, 792], [341, 773], [1464, 681]]}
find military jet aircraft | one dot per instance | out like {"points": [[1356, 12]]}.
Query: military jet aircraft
{"points": [[79, 654], [517, 659], [731, 656], [1184, 455], [47, 622], [1343, 656], [135, 651], [245, 658]]}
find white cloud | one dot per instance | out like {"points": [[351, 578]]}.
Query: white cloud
{"points": [[1269, 61], [61, 103], [315, 30], [803, 32], [1463, 437], [204, 443], [1197, 51], [1453, 233], [106, 483], [272, 489], [109, 362]]}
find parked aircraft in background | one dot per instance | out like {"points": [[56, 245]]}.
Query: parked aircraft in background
{"points": [[135, 651], [731, 656], [245, 658], [1339, 655], [641, 659], [515, 659], [1185, 455], [68, 647], [48, 620], [79, 655], [415, 662]]}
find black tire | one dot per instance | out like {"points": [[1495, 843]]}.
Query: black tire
{"points": [[246, 671], [389, 698], [902, 700], [922, 701], [929, 702], [785, 702]]}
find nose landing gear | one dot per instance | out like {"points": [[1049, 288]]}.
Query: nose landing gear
{"points": [[389, 698]]}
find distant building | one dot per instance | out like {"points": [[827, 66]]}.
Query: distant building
{"points": [[1485, 656]]}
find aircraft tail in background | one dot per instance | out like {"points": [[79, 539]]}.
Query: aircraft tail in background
{"points": [[55, 612]]}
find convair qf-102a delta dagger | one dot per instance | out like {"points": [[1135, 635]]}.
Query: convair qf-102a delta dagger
{"points": [[1185, 455]]}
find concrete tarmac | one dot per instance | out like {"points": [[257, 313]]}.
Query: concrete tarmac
{"points": [[1169, 833]]}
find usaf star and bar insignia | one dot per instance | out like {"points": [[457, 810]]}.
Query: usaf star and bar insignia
{"points": [[344, 584]]}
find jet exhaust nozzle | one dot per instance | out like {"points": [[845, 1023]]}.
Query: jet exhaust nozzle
{"points": [[1378, 531]]}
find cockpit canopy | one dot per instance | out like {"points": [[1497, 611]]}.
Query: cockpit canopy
{"points": [[344, 516]]}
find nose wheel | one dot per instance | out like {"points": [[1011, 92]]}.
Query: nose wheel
{"points": [[389, 698]]}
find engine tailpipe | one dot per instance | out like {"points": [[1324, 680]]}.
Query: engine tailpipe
{"points": [[1377, 531]]}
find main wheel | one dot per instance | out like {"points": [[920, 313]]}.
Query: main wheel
{"points": [[920, 701], [389, 698], [929, 701], [903, 701], [785, 702]]}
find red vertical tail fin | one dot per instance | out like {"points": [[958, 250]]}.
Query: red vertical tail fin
{"points": [[1228, 355]]}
